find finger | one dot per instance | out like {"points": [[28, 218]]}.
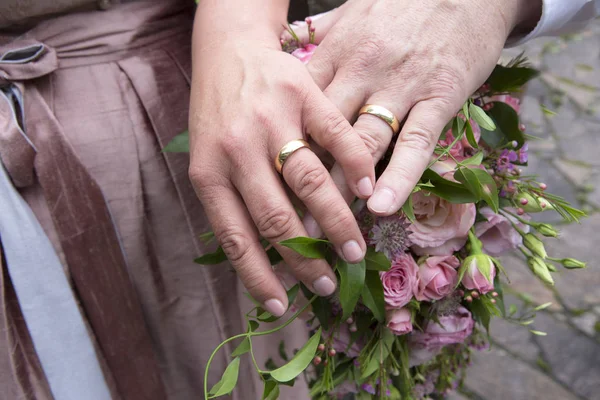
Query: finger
{"points": [[276, 220], [347, 95], [311, 182], [328, 127], [411, 155], [377, 135], [239, 240]]}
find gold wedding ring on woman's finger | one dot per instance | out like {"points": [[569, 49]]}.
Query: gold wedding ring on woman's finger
{"points": [[287, 150], [383, 114]]}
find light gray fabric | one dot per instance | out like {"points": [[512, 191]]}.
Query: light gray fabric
{"points": [[55, 324]]}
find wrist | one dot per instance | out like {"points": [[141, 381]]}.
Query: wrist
{"points": [[231, 22]]}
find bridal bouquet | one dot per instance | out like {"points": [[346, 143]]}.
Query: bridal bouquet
{"points": [[405, 321]]}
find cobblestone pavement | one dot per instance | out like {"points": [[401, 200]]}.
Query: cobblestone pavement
{"points": [[565, 364]]}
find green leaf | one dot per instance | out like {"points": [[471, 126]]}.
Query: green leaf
{"points": [[465, 109], [292, 293], [307, 247], [352, 281], [507, 126], [539, 333], [481, 313], [543, 306], [228, 380], [242, 348], [482, 119], [274, 256], [448, 190], [481, 184], [477, 159], [179, 144], [407, 208], [300, 362], [252, 326], [207, 237], [512, 310], [217, 257], [470, 135], [371, 367], [271, 391], [510, 79], [372, 295], [500, 299], [376, 261]]}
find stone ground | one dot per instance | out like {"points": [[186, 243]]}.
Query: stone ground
{"points": [[565, 364]]}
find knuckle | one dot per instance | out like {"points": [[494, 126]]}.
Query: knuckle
{"points": [[418, 138], [446, 80], [309, 179], [341, 220], [369, 52], [374, 143], [337, 127], [276, 223], [256, 284], [235, 244]]}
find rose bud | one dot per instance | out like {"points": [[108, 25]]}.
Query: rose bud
{"points": [[535, 245], [571, 263], [540, 269], [399, 320], [479, 273]]}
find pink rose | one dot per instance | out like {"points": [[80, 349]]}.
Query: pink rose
{"points": [[452, 329], [400, 281], [474, 279], [399, 320], [510, 100], [342, 341], [457, 151], [437, 277], [305, 53], [441, 227], [497, 233]]}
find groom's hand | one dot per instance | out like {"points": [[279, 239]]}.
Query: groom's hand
{"points": [[419, 59]]}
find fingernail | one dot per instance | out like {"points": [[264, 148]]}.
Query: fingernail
{"points": [[352, 251], [382, 200], [324, 286], [275, 307], [311, 226], [365, 187]]}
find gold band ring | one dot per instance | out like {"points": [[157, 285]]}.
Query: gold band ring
{"points": [[287, 150], [383, 114]]}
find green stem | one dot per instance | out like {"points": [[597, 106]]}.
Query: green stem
{"points": [[223, 343], [249, 335], [447, 149]]}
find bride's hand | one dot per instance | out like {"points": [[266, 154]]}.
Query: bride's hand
{"points": [[249, 99], [420, 60]]}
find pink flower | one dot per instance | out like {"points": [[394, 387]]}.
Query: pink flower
{"points": [[474, 279], [511, 101], [399, 320], [400, 282], [305, 53], [440, 227], [437, 277], [497, 233], [457, 151], [452, 329], [342, 341]]}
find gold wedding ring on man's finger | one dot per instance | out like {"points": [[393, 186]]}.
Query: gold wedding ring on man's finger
{"points": [[383, 114], [287, 150]]}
